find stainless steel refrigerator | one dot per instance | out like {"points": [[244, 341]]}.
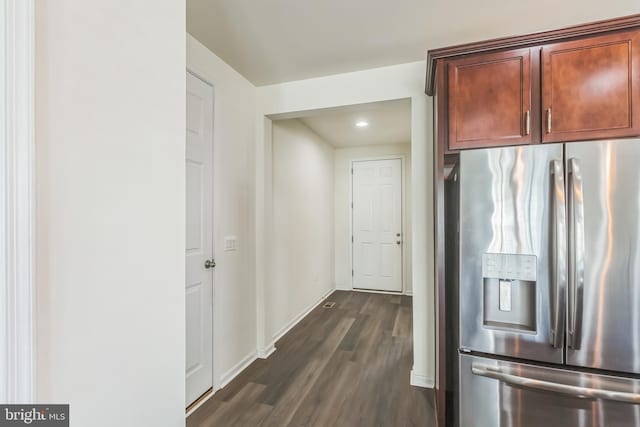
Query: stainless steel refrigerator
{"points": [[549, 297]]}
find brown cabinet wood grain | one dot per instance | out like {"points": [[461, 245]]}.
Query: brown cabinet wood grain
{"points": [[490, 100], [591, 88]]}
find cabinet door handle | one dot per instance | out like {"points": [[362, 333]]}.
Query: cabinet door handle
{"points": [[549, 120], [527, 122]]}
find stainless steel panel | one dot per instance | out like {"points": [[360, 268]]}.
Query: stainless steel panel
{"points": [[608, 308], [505, 208], [504, 394]]}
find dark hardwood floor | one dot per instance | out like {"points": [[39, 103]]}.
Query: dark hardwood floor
{"points": [[347, 366]]}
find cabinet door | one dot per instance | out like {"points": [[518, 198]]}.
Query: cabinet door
{"points": [[490, 100], [591, 88]]}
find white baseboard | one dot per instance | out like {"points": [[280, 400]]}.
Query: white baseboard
{"points": [[266, 352], [228, 376], [419, 380], [372, 291]]}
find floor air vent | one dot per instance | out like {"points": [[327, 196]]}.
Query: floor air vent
{"points": [[329, 304]]}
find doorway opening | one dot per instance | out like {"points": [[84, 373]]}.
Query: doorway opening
{"points": [[341, 185]]}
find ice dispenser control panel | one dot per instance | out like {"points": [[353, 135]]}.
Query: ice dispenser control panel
{"points": [[509, 288], [509, 267]]}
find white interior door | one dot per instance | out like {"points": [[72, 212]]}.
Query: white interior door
{"points": [[199, 239], [377, 225]]}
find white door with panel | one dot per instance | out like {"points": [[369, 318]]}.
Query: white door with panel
{"points": [[199, 239], [377, 225]]}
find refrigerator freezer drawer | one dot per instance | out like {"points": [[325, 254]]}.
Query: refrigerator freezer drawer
{"points": [[495, 393]]}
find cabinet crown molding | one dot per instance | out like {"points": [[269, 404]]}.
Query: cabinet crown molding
{"points": [[533, 39]]}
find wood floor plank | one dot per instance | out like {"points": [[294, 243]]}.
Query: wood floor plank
{"points": [[350, 340], [230, 413], [402, 326], [406, 301], [320, 407], [388, 316], [251, 374], [255, 415], [289, 402], [200, 417], [395, 299], [347, 366]]}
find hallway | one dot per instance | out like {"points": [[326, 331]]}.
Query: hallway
{"points": [[346, 366]]}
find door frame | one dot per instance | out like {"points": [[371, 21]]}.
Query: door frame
{"points": [[17, 202], [215, 381], [403, 217]]}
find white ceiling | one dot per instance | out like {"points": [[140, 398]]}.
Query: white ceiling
{"points": [[389, 123], [272, 41]]}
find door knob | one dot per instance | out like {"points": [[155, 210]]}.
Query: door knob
{"points": [[210, 263], [398, 242]]}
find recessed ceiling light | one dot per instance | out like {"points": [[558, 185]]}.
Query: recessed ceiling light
{"points": [[362, 124]]}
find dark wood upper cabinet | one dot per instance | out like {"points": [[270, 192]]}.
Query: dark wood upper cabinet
{"points": [[591, 88], [490, 100]]}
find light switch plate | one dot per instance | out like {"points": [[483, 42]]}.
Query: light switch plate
{"points": [[230, 243]]}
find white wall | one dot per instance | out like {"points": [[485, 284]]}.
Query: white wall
{"points": [[234, 142], [303, 222], [380, 84], [343, 158], [110, 119]]}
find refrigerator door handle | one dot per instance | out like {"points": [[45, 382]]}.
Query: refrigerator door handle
{"points": [[576, 253], [559, 255], [571, 390]]}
